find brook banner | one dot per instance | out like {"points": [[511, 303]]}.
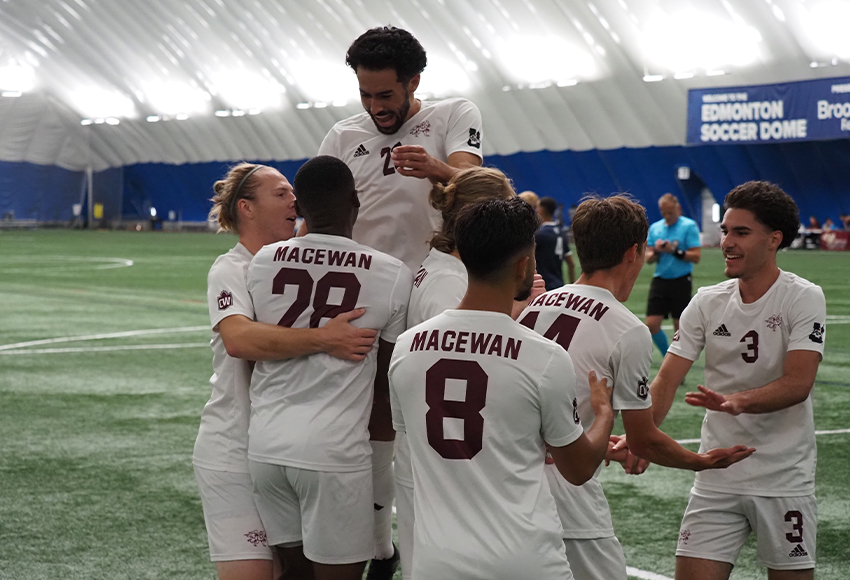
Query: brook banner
{"points": [[799, 111]]}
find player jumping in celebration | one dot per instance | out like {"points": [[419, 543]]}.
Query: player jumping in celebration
{"points": [[588, 320], [478, 396], [255, 202], [439, 285], [763, 333], [308, 444], [397, 149]]}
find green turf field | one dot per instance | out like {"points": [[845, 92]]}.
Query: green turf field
{"points": [[95, 471]]}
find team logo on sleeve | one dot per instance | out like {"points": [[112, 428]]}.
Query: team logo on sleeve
{"points": [[420, 277], [423, 128], [474, 138], [225, 300], [575, 412], [643, 388], [684, 536], [817, 333], [676, 336], [774, 322]]}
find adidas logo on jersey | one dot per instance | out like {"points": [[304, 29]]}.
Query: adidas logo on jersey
{"points": [[798, 551], [361, 151], [722, 331]]}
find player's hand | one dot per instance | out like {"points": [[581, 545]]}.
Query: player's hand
{"points": [[347, 342], [538, 287], [414, 161], [713, 401], [722, 458], [663, 246], [600, 395], [619, 452]]}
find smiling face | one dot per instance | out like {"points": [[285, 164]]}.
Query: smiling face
{"points": [[749, 246], [273, 206], [385, 98]]}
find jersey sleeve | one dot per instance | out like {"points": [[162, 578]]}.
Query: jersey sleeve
{"points": [[443, 293], [227, 292], [692, 236], [631, 358], [652, 237], [808, 321], [464, 129], [689, 340], [329, 144], [559, 417], [399, 298]]}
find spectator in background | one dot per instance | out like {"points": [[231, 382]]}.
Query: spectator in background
{"points": [[828, 226], [552, 247], [845, 220], [530, 198], [675, 245]]}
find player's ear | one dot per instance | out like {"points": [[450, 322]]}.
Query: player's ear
{"points": [[413, 83], [632, 253], [298, 209], [775, 240], [521, 266]]}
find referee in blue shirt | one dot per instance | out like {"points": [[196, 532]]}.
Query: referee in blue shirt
{"points": [[674, 244]]}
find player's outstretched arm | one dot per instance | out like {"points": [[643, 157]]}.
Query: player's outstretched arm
{"points": [[579, 460], [247, 339], [646, 441], [663, 388], [792, 388], [415, 161], [381, 419]]}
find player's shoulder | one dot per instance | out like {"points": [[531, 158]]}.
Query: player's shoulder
{"points": [[723, 289], [449, 106], [797, 288], [688, 222], [236, 259]]}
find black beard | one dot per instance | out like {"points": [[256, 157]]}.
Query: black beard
{"points": [[401, 117], [523, 294]]}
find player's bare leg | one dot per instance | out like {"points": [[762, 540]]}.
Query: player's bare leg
{"points": [[654, 323], [339, 571], [245, 570], [295, 564], [791, 574], [700, 569]]}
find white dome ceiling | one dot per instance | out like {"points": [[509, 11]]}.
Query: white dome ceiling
{"points": [[216, 80]]}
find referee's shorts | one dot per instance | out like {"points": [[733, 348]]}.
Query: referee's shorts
{"points": [[669, 296]]}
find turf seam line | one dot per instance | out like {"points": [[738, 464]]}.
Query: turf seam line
{"points": [[644, 575], [106, 348], [144, 332], [824, 432]]}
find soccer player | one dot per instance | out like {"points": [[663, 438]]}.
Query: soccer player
{"points": [[552, 247], [255, 202], [440, 284], [478, 396], [397, 149], [674, 244], [763, 334], [602, 335], [308, 445]]}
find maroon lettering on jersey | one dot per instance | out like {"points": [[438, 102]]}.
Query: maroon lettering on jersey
{"points": [[225, 300]]}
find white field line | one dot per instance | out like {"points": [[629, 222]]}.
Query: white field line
{"points": [[106, 348], [19, 345], [827, 432], [644, 575], [109, 262]]}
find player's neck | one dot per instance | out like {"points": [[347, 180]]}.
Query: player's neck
{"points": [[415, 107], [253, 242], [754, 287], [331, 228], [612, 280], [487, 297]]}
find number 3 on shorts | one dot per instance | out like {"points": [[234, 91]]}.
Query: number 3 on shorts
{"points": [[795, 536]]}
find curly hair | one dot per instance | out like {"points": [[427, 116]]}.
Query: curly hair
{"points": [[239, 183], [604, 228], [465, 187], [388, 47], [772, 207]]}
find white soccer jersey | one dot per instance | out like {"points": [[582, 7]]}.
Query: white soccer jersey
{"points": [[312, 412], [395, 216], [601, 335], [477, 395], [438, 286], [222, 443], [745, 348]]}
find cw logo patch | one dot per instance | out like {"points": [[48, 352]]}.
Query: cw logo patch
{"points": [[225, 300], [474, 138]]}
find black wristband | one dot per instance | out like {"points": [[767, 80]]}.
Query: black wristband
{"points": [[679, 253]]}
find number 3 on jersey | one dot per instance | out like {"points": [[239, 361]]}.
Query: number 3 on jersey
{"points": [[440, 407], [301, 279]]}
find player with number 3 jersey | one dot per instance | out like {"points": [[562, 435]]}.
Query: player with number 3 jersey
{"points": [[308, 441]]}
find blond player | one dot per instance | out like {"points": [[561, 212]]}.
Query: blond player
{"points": [[478, 396], [308, 445], [763, 334], [255, 202], [590, 322]]}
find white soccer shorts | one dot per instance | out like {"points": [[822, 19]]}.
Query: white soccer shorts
{"points": [[234, 528], [596, 559], [331, 513], [716, 525]]}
